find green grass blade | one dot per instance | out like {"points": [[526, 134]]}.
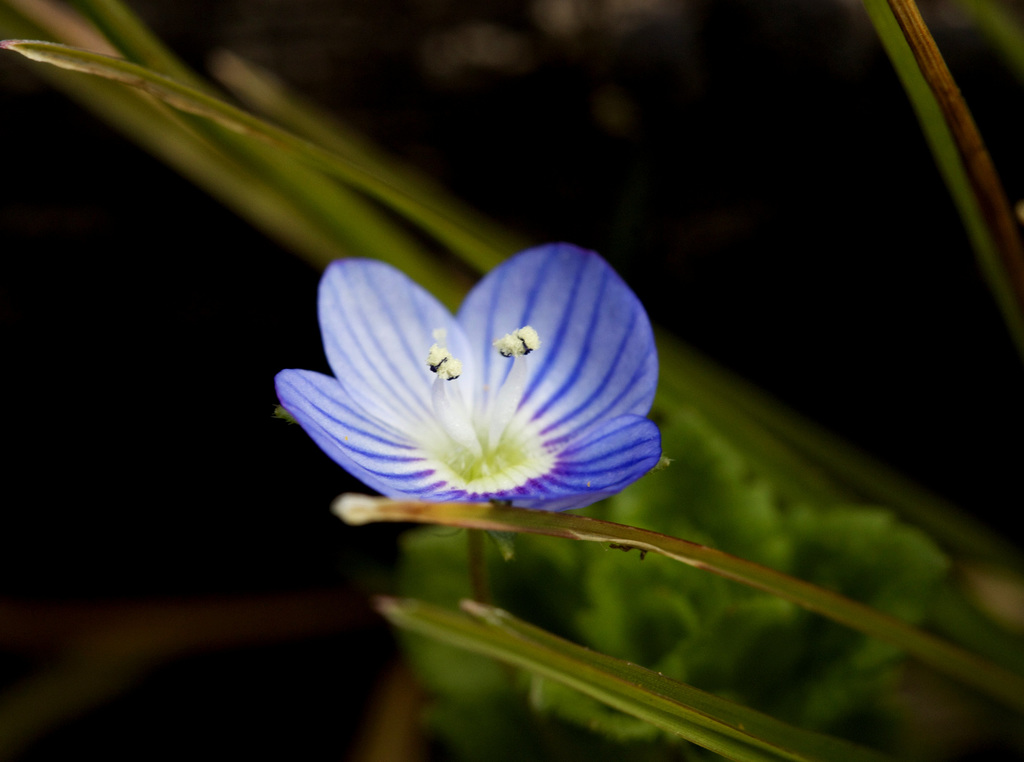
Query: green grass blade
{"points": [[996, 682], [1003, 30], [138, 44], [959, 154], [265, 94], [731, 730], [809, 462], [193, 101], [359, 227], [155, 128], [810, 744], [135, 41]]}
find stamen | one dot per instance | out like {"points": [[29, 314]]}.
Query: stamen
{"points": [[519, 342], [442, 363], [451, 413], [506, 402], [449, 407]]}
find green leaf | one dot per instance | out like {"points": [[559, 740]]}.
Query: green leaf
{"points": [[725, 728]]}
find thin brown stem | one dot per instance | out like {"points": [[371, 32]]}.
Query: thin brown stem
{"points": [[981, 172]]}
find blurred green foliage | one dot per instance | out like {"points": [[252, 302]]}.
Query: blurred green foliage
{"points": [[696, 627]]}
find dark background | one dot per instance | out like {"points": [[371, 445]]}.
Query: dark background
{"points": [[752, 168]]}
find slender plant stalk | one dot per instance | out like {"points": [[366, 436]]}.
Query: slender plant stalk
{"points": [[478, 580], [945, 657], [959, 152], [980, 170], [432, 220]]}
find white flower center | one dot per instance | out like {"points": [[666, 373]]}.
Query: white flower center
{"points": [[484, 450]]}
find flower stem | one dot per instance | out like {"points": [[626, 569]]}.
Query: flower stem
{"points": [[478, 566], [960, 154]]}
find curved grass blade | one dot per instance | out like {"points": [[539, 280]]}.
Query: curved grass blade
{"points": [[1003, 30], [959, 152], [156, 128], [359, 226], [942, 656], [802, 457], [262, 92], [809, 462], [135, 41], [193, 101], [731, 730]]}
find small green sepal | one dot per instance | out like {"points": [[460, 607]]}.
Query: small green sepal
{"points": [[662, 464], [284, 415]]}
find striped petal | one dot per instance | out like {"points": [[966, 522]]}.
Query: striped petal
{"points": [[611, 456], [377, 454], [597, 358], [563, 430], [377, 327]]}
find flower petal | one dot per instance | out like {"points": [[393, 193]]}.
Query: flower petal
{"points": [[610, 457], [377, 327], [372, 451], [597, 358]]}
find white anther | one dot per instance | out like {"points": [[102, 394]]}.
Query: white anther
{"points": [[516, 345], [519, 342], [441, 362]]}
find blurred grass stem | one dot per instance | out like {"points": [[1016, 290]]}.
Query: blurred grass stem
{"points": [[478, 579], [995, 681]]}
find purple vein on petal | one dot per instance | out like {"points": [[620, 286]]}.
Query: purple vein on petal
{"points": [[555, 342], [595, 418], [531, 292], [624, 424], [358, 317], [355, 319], [529, 304], [601, 387], [391, 476], [414, 402], [571, 379], [402, 333], [356, 414]]}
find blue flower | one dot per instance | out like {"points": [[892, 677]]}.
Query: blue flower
{"points": [[534, 393]]}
